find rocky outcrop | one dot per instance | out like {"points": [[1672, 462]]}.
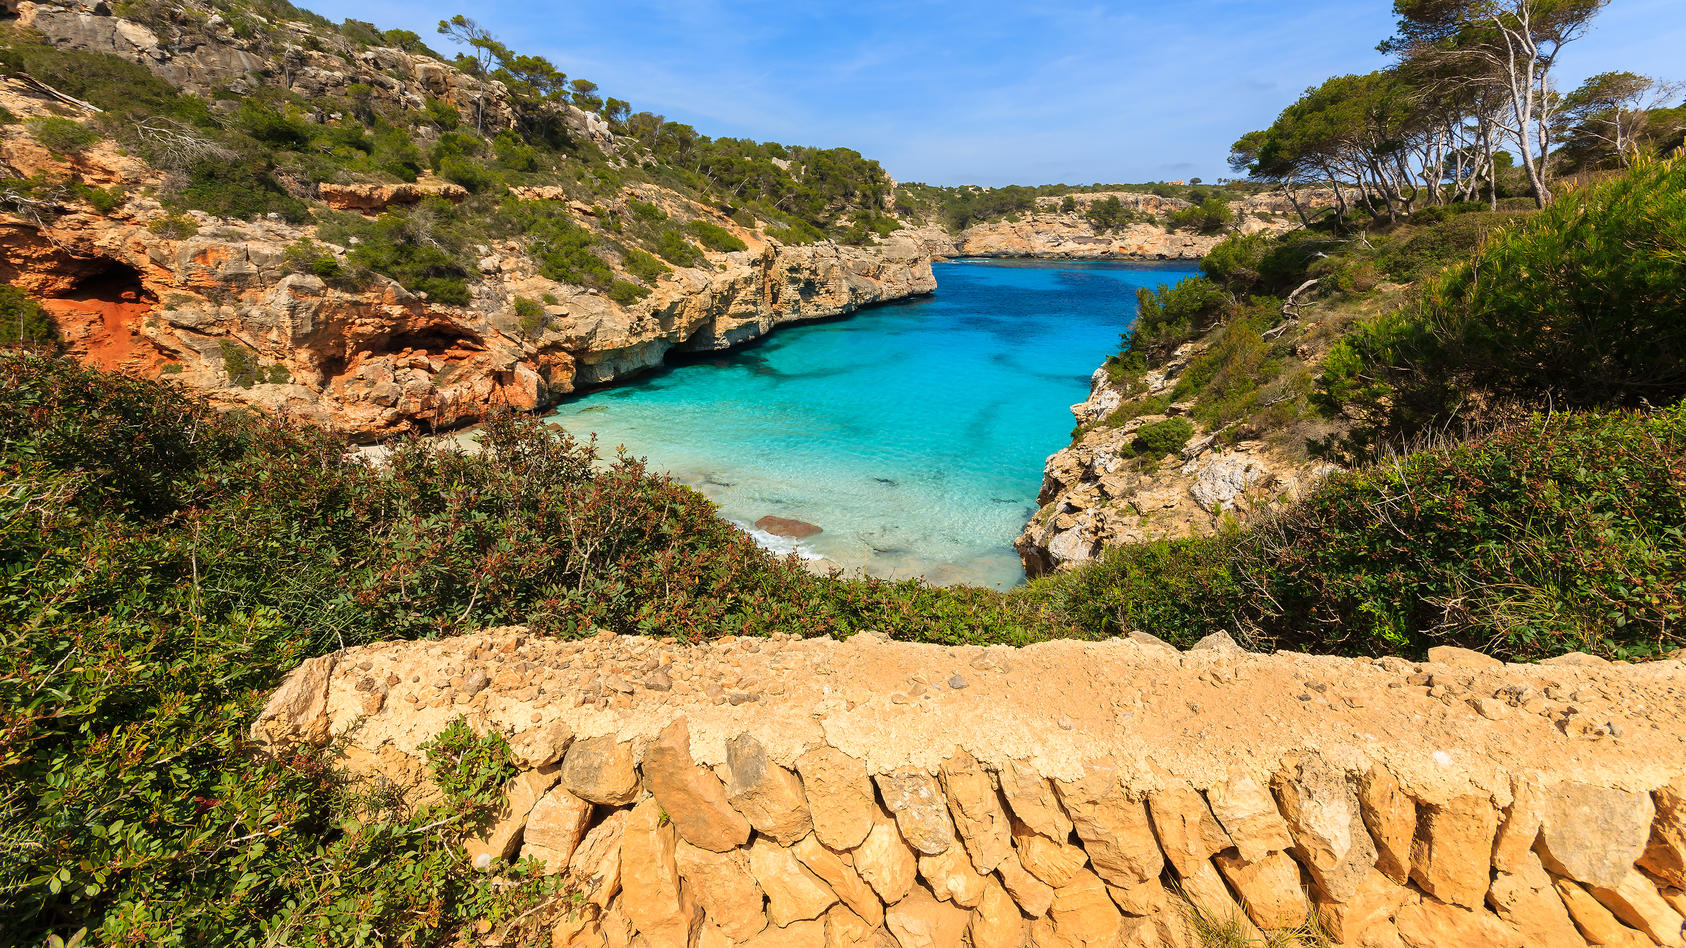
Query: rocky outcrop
{"points": [[1097, 493], [795, 792], [375, 198]]}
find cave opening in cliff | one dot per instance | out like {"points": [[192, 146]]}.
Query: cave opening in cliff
{"points": [[100, 313], [447, 342], [111, 282]]}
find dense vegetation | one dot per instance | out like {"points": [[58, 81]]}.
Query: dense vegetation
{"points": [[1582, 306]]}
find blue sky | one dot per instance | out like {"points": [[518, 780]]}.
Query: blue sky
{"points": [[986, 92]]}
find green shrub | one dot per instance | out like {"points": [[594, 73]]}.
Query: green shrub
{"points": [[244, 189], [62, 136], [24, 323], [1561, 534], [1160, 438], [173, 226], [466, 172], [240, 365], [530, 317], [645, 267], [1169, 316], [563, 250], [715, 237], [625, 292], [799, 233], [421, 248], [675, 249], [1208, 216]]}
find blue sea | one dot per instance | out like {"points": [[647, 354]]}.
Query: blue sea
{"points": [[912, 434]]}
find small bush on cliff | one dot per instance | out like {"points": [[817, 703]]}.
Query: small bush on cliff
{"points": [[23, 323], [715, 237], [61, 136], [1162, 437]]}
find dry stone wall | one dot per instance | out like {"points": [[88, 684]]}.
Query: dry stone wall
{"points": [[809, 792]]}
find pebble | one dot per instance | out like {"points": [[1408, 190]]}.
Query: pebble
{"points": [[957, 682]]}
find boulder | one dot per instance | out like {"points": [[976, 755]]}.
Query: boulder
{"points": [[1032, 799], [692, 796], [1247, 812], [885, 860], [793, 893], [1189, 835], [596, 864], [1032, 894], [1369, 908], [976, 809], [1113, 825], [1082, 916], [921, 921], [807, 933], [1322, 812], [997, 922], [1665, 853], [555, 827], [839, 794], [1205, 891], [1513, 846], [724, 887], [770, 796], [1452, 856], [786, 527], [1430, 923], [1391, 817], [502, 838], [951, 877], [540, 746], [1637, 903], [1594, 920], [838, 871], [658, 907], [845, 929], [1525, 897], [602, 770], [921, 811], [1055, 862], [1269, 888], [1462, 658], [1594, 834]]}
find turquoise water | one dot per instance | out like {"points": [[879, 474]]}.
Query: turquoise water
{"points": [[913, 434]]}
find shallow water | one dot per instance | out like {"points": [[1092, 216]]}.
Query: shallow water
{"points": [[913, 434]]}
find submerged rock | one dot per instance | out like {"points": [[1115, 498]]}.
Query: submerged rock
{"points": [[786, 527]]}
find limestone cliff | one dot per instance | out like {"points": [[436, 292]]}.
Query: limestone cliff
{"points": [[219, 306], [789, 792], [1050, 233]]}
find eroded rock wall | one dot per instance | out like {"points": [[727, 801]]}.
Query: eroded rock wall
{"points": [[810, 792]]}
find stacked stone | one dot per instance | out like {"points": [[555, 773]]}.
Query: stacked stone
{"points": [[666, 852]]}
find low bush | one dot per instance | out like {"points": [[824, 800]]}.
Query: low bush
{"points": [[1160, 438], [62, 136], [715, 237]]}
